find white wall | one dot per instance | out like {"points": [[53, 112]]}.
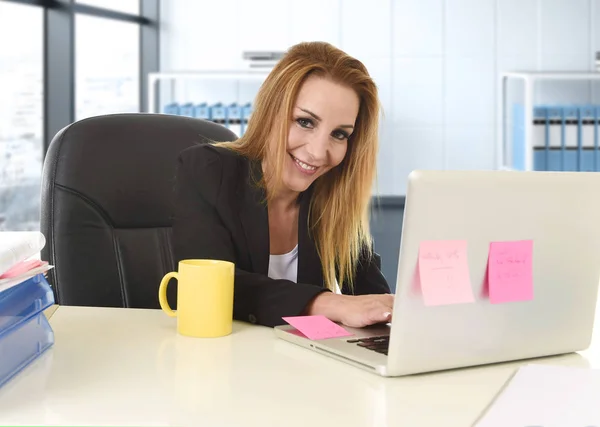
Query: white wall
{"points": [[436, 61]]}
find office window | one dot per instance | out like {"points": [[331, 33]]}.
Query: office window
{"points": [[21, 115], [107, 77], [125, 6]]}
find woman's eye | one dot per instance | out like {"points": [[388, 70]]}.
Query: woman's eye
{"points": [[340, 135], [305, 123]]}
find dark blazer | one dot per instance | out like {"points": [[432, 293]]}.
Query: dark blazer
{"points": [[220, 213]]}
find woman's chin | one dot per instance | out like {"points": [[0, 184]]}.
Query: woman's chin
{"points": [[298, 185]]}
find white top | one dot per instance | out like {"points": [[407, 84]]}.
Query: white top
{"points": [[128, 367], [284, 266]]}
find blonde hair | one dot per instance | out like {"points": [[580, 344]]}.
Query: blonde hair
{"points": [[339, 209]]}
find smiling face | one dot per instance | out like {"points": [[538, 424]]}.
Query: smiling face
{"points": [[323, 118]]}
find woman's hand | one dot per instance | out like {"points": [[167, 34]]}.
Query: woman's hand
{"points": [[354, 311]]}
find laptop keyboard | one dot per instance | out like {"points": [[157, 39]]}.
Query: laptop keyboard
{"points": [[378, 344]]}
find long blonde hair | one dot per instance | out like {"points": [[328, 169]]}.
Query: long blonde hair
{"points": [[339, 209]]}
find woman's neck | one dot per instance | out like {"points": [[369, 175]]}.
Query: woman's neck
{"points": [[284, 201]]}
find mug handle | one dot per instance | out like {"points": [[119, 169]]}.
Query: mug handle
{"points": [[162, 293]]}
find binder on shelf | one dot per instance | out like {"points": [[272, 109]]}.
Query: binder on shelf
{"points": [[218, 114], [172, 108], [565, 138], [587, 137], [202, 111], [187, 110], [518, 137], [234, 118], [246, 113], [24, 330]]}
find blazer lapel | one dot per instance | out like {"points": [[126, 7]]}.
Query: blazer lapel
{"points": [[255, 220], [309, 263]]}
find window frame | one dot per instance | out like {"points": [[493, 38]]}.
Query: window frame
{"points": [[59, 49]]}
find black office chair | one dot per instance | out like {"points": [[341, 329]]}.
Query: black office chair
{"points": [[107, 206]]}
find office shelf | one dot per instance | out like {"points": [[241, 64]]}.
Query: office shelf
{"points": [[508, 121], [233, 76]]}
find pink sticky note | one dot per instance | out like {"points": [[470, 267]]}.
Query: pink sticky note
{"points": [[444, 272], [22, 267], [317, 327], [510, 272]]}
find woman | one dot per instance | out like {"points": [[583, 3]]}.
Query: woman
{"points": [[288, 202]]}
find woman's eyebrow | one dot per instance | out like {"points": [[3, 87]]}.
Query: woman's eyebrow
{"points": [[319, 119], [311, 113]]}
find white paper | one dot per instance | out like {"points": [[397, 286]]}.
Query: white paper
{"points": [[13, 281], [17, 246], [547, 396]]}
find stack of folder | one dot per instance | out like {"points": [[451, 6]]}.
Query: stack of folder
{"points": [[233, 116], [24, 295], [564, 138]]}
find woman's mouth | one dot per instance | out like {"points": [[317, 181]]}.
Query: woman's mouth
{"points": [[303, 167]]}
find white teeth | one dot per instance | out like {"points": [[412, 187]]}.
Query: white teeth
{"points": [[304, 165]]}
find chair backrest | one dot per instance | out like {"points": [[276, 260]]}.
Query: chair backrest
{"points": [[107, 193]]}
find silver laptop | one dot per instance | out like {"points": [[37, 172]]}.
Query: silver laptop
{"points": [[559, 211]]}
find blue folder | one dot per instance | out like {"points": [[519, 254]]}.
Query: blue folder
{"points": [[24, 330]]}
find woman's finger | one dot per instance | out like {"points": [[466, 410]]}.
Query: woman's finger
{"points": [[387, 306], [379, 315]]}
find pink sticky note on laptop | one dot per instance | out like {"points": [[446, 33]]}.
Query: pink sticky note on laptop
{"points": [[444, 272], [317, 327], [510, 272]]}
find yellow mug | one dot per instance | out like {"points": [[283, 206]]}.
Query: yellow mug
{"points": [[204, 297]]}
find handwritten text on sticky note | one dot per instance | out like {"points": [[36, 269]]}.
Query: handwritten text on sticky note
{"points": [[444, 272], [510, 275], [317, 327]]}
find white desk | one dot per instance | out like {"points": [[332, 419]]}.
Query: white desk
{"points": [[128, 367]]}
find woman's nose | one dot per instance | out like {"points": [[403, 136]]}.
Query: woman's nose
{"points": [[317, 148]]}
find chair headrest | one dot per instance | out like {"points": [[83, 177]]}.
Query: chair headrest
{"points": [[125, 163]]}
